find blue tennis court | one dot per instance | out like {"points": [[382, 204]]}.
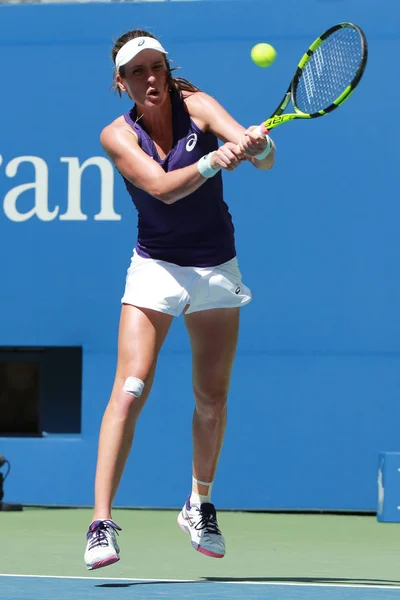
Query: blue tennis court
{"points": [[14, 587]]}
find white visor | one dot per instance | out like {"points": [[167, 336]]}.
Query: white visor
{"points": [[133, 47]]}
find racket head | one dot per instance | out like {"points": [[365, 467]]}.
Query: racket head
{"points": [[330, 70]]}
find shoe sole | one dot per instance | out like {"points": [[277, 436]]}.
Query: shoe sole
{"points": [[197, 547], [104, 563]]}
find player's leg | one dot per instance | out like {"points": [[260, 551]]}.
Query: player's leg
{"points": [[141, 335], [213, 336]]}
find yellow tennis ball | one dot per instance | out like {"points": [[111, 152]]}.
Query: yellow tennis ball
{"points": [[263, 54]]}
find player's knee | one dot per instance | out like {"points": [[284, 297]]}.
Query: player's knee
{"points": [[211, 405], [133, 386]]}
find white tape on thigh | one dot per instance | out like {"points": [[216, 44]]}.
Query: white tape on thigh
{"points": [[134, 386]]}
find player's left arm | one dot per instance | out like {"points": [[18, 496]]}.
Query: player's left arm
{"points": [[210, 115]]}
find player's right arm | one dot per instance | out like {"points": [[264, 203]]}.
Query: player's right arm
{"points": [[121, 145]]}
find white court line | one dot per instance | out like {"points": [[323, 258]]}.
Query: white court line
{"points": [[282, 583]]}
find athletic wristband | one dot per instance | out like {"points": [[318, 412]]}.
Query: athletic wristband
{"points": [[266, 150], [204, 166]]}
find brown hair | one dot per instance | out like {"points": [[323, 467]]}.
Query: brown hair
{"points": [[174, 83]]}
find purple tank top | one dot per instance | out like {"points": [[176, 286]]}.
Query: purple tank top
{"points": [[196, 230]]}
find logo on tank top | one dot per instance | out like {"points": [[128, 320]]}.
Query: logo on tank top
{"points": [[191, 141]]}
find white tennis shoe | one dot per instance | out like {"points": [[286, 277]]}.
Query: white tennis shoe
{"points": [[201, 524], [101, 547]]}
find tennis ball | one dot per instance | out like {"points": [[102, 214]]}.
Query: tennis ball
{"points": [[263, 54]]}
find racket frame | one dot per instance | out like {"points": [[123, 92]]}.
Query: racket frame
{"points": [[277, 118]]}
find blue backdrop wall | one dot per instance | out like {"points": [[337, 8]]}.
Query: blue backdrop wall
{"points": [[315, 390]]}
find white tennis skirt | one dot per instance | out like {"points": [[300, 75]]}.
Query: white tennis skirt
{"points": [[169, 288]]}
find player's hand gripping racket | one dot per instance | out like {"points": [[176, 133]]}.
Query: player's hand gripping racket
{"points": [[325, 77]]}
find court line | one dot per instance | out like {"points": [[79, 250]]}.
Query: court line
{"points": [[282, 583]]}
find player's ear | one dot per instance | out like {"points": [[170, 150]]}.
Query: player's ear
{"points": [[119, 83]]}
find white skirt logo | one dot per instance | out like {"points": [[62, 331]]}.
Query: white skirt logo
{"points": [[191, 141]]}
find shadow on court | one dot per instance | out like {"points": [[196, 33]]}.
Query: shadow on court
{"points": [[140, 583], [310, 580], [283, 580]]}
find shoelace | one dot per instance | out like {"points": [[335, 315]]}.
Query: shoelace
{"points": [[98, 535], [208, 520]]}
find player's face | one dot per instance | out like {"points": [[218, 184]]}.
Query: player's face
{"points": [[145, 78]]}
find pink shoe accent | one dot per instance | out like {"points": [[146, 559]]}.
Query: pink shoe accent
{"points": [[104, 563], [207, 552]]}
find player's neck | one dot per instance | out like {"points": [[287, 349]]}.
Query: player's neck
{"points": [[157, 120]]}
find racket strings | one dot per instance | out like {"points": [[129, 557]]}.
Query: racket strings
{"points": [[329, 71]]}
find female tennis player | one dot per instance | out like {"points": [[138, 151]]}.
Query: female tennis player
{"points": [[166, 149]]}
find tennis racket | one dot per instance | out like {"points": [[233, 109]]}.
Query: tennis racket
{"points": [[326, 76]]}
